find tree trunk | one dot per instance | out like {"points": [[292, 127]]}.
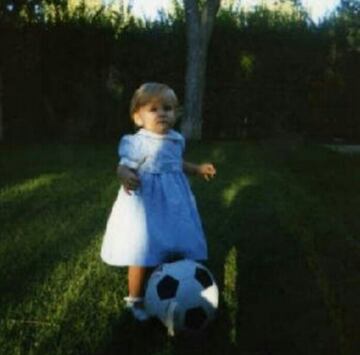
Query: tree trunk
{"points": [[199, 26]]}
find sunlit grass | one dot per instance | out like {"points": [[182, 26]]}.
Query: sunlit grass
{"points": [[230, 290], [72, 299], [230, 193], [20, 190], [282, 228]]}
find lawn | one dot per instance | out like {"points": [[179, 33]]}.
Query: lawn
{"points": [[283, 228]]}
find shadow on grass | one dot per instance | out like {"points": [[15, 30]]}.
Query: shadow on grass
{"points": [[288, 298], [20, 163]]}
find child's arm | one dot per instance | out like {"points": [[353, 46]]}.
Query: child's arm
{"points": [[128, 178], [205, 170]]}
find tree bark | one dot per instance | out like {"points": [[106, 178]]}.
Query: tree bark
{"points": [[199, 26]]}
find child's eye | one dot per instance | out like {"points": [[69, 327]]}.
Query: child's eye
{"points": [[153, 109], [167, 108]]}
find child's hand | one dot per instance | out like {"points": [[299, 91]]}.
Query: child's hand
{"points": [[129, 180], [207, 171]]}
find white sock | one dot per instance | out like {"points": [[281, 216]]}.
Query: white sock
{"points": [[136, 305], [131, 301]]}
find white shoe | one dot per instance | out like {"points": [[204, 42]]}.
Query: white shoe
{"points": [[136, 306]]}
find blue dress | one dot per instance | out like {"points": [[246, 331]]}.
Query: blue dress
{"points": [[160, 219]]}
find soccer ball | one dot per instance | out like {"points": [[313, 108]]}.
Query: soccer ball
{"points": [[183, 295]]}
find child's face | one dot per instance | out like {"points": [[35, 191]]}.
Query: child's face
{"points": [[156, 116]]}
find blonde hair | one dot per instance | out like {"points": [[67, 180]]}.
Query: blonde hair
{"points": [[150, 92]]}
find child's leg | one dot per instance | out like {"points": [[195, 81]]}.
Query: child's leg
{"points": [[137, 276], [136, 280]]}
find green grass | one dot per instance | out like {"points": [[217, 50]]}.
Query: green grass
{"points": [[283, 230]]}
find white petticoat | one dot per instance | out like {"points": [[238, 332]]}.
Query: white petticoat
{"points": [[148, 236]]}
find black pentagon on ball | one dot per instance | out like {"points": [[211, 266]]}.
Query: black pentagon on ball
{"points": [[195, 318], [167, 287], [203, 277]]}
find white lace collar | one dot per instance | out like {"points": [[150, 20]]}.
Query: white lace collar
{"points": [[171, 134]]}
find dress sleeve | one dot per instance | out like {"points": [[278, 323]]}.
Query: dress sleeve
{"points": [[130, 152]]}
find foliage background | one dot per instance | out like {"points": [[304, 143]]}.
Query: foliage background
{"points": [[68, 74]]}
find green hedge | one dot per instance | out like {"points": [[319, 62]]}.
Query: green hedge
{"points": [[71, 79]]}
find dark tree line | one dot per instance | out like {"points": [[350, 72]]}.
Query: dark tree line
{"points": [[69, 76]]}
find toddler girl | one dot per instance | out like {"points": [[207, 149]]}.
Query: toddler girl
{"points": [[154, 218]]}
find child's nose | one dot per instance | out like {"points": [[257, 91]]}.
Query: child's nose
{"points": [[161, 112]]}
